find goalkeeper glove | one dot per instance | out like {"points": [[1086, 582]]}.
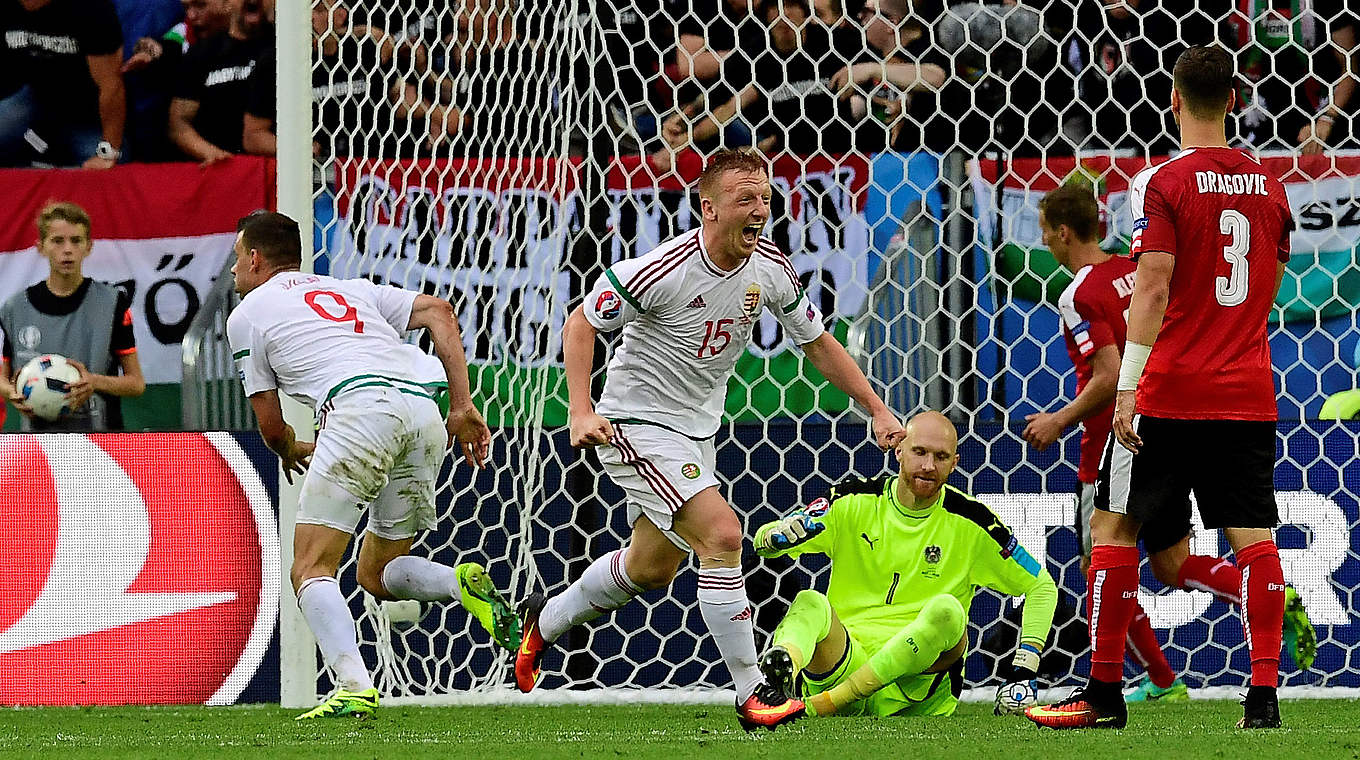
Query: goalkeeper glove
{"points": [[787, 532]]}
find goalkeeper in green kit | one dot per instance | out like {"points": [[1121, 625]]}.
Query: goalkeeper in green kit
{"points": [[907, 553]]}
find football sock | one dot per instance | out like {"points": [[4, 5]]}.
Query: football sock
{"points": [[936, 629], [1262, 609], [1216, 575], [1111, 598], [604, 586], [1146, 651], [328, 615], [727, 613], [807, 622], [418, 578]]}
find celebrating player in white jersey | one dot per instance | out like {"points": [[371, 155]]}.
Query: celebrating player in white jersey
{"points": [[336, 345], [687, 310]]}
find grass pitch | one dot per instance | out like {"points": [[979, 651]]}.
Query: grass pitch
{"points": [[1185, 731]]}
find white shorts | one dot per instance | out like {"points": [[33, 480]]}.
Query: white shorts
{"points": [[659, 470], [378, 448], [1086, 506]]}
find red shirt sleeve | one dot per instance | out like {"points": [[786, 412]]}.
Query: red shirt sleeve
{"points": [[1154, 226], [1286, 230]]}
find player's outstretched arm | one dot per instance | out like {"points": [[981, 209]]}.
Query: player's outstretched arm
{"points": [[578, 355], [779, 537], [834, 362], [1151, 289], [465, 423]]}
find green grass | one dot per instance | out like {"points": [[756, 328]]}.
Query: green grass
{"points": [[1186, 731]]}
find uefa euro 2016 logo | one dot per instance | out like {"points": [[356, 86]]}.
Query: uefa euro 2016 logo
{"points": [[608, 305]]}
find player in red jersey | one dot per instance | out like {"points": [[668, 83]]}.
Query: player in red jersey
{"points": [[1195, 402], [1094, 311]]}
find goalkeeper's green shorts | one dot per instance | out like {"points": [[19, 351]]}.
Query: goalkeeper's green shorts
{"points": [[926, 694]]}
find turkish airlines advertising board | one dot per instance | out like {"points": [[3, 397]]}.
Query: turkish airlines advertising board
{"points": [[138, 569]]}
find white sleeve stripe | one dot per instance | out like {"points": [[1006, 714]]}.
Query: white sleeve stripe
{"points": [[1067, 302]]}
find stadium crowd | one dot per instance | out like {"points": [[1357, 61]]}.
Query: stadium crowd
{"points": [[95, 82]]}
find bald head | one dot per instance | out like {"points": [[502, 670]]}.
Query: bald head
{"points": [[928, 454], [933, 425]]}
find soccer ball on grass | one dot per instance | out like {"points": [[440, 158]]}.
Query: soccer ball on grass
{"points": [[44, 382]]}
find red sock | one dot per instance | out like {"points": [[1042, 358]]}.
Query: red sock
{"points": [[1111, 598], [1216, 575], [1262, 609], [1146, 651]]}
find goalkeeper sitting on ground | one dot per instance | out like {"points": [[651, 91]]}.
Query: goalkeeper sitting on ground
{"points": [[906, 554]]}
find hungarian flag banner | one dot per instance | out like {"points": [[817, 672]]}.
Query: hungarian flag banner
{"points": [[162, 233]]}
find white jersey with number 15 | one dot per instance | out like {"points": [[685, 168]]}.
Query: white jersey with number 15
{"points": [[685, 324]]}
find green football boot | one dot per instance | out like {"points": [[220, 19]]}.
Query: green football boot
{"points": [[1147, 691], [1299, 636], [482, 599], [345, 704]]}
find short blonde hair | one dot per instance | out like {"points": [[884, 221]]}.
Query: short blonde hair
{"points": [[63, 211], [741, 159]]}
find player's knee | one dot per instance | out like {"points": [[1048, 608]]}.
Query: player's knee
{"points": [[652, 575], [810, 598], [722, 543], [945, 614]]}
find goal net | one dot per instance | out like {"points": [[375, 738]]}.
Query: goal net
{"points": [[502, 153]]}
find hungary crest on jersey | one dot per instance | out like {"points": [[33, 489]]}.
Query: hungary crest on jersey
{"points": [[750, 305]]}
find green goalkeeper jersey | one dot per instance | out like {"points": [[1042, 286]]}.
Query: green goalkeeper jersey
{"points": [[887, 560]]}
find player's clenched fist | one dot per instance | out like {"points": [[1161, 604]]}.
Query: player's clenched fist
{"points": [[590, 430], [468, 428], [888, 430]]}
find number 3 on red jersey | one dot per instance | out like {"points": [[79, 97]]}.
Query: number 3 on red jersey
{"points": [[1232, 290]]}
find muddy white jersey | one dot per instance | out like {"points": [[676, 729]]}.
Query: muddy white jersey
{"points": [[306, 334], [685, 324]]}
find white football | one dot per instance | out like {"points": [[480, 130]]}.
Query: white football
{"points": [[44, 382], [1013, 698]]}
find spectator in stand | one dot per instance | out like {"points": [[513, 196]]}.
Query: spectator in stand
{"points": [[165, 52], [148, 96], [353, 90], [831, 13], [789, 96], [69, 108], [88, 322], [1283, 61], [472, 107], [207, 113], [1332, 124], [1121, 54], [710, 31], [896, 79]]}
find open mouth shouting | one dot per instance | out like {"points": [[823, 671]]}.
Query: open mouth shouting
{"points": [[750, 234]]}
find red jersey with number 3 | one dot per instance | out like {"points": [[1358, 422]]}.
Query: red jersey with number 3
{"points": [[1227, 223], [1094, 310]]}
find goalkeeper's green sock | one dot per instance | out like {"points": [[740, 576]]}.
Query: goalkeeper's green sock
{"points": [[936, 629], [807, 622]]}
